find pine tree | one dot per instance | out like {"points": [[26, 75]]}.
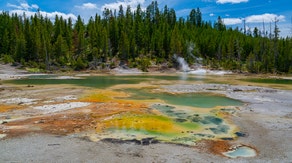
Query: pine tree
{"points": [[140, 35]]}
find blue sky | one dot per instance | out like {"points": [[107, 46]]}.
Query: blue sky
{"points": [[233, 12]]}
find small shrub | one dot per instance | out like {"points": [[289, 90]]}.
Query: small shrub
{"points": [[33, 70], [7, 58], [143, 63], [80, 64]]}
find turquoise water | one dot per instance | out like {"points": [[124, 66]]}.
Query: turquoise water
{"points": [[192, 117], [242, 151], [99, 81], [187, 99], [201, 100], [94, 81]]}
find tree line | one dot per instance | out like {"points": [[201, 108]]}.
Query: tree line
{"points": [[140, 38]]}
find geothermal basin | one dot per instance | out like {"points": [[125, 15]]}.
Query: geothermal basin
{"points": [[201, 113]]}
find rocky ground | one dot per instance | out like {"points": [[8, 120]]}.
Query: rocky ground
{"points": [[265, 122], [9, 72]]}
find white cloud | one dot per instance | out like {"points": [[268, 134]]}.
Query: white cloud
{"points": [[264, 18], [35, 6], [254, 19], [212, 14], [232, 21], [87, 10], [231, 1], [86, 6], [115, 6], [23, 6], [50, 15], [14, 6], [30, 10]]}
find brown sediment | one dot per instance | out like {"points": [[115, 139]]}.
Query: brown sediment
{"points": [[214, 146], [219, 147], [10, 133], [6, 108], [61, 124], [71, 121]]}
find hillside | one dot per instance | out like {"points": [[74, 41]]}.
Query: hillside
{"points": [[140, 38]]}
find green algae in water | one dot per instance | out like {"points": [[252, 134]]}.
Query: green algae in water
{"points": [[166, 77], [210, 122], [170, 111], [150, 123], [91, 81], [220, 129], [181, 116], [95, 81], [200, 100], [162, 128], [269, 81], [211, 119]]}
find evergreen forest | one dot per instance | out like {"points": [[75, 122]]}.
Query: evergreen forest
{"points": [[140, 38]]}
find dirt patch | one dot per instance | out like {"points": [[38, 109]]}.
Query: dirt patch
{"points": [[8, 72], [214, 146], [6, 108]]}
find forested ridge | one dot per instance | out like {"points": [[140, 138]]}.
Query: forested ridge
{"points": [[140, 38]]}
